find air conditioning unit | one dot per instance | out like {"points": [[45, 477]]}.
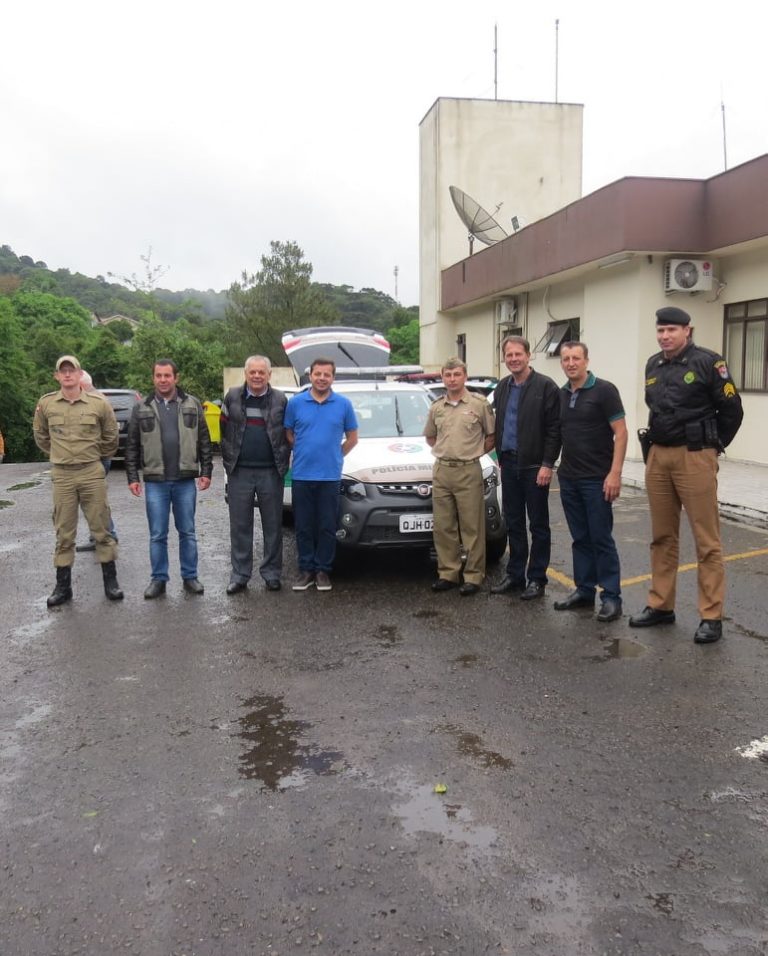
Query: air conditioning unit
{"points": [[688, 275], [506, 311]]}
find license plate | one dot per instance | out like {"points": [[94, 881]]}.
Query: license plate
{"points": [[412, 524]]}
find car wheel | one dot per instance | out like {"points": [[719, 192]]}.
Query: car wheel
{"points": [[494, 550]]}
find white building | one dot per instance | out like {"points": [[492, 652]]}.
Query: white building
{"points": [[594, 268]]}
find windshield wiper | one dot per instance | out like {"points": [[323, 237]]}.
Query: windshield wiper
{"points": [[398, 422]]}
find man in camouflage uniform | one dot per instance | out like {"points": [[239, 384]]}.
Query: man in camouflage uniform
{"points": [[76, 430]]}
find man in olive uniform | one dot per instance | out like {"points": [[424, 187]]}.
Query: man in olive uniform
{"points": [[695, 412], [460, 428], [76, 430]]}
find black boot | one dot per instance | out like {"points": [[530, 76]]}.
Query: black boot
{"points": [[63, 590], [111, 587]]}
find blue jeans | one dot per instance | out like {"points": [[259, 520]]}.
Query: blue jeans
{"points": [[590, 521], [315, 515], [521, 494], [160, 497]]}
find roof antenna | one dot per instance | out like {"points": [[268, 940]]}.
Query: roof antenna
{"points": [[495, 61], [557, 54]]}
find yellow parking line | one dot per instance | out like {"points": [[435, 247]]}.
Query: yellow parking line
{"points": [[563, 579]]}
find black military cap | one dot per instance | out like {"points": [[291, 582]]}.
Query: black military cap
{"points": [[670, 315]]}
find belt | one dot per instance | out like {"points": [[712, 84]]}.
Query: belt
{"points": [[455, 462]]}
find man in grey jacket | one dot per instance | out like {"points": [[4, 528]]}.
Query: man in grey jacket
{"points": [[255, 454], [168, 439]]}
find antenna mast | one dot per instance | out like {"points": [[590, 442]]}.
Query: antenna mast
{"points": [[395, 273], [495, 61], [725, 150], [557, 54]]}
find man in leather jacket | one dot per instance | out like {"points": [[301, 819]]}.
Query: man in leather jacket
{"points": [[168, 440], [528, 443], [256, 457]]}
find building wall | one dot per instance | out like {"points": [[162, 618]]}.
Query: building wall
{"points": [[526, 156], [616, 308]]}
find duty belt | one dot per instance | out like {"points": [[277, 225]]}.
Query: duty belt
{"points": [[455, 462]]}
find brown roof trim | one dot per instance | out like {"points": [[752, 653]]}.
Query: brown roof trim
{"points": [[664, 216]]}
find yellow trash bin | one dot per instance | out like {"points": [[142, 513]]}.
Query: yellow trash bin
{"points": [[212, 416]]}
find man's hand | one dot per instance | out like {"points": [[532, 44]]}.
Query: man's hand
{"points": [[203, 483], [612, 486], [544, 476], [135, 488]]}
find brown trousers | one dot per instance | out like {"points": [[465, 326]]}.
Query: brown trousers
{"points": [[458, 507], [675, 478], [81, 486]]}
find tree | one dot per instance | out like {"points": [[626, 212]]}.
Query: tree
{"points": [[147, 283], [404, 340], [200, 363], [19, 386], [279, 297]]}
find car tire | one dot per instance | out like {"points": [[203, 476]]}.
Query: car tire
{"points": [[494, 550]]}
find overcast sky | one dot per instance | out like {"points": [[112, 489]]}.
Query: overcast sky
{"points": [[208, 129]]}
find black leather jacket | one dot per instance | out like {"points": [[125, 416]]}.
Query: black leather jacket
{"points": [[538, 420], [692, 399], [233, 427]]}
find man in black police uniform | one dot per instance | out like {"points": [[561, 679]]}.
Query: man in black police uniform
{"points": [[695, 412]]}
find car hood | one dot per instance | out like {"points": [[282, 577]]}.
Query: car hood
{"points": [[392, 459]]}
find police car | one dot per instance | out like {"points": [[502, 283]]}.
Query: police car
{"points": [[386, 485]]}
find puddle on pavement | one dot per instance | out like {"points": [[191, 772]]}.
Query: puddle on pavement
{"points": [[619, 647], [387, 635], [423, 811], [23, 485], [471, 745], [5, 504], [466, 660], [277, 754]]}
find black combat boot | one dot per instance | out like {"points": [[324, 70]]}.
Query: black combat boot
{"points": [[111, 587], [63, 590]]}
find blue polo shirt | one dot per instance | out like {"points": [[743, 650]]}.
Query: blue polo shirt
{"points": [[319, 429]]}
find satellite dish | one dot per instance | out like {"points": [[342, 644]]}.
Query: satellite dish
{"points": [[481, 224]]}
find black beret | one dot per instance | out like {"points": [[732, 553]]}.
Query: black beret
{"points": [[670, 315]]}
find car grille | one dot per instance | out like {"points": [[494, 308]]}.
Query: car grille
{"points": [[403, 488]]}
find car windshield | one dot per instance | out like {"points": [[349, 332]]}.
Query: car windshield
{"points": [[383, 414]]}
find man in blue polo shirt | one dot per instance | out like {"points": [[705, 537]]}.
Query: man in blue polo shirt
{"points": [[594, 436], [321, 428]]}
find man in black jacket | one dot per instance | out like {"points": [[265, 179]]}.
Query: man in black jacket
{"points": [[695, 412], [255, 454], [528, 443]]}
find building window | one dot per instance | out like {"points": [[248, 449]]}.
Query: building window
{"points": [[746, 344], [566, 330], [461, 347]]}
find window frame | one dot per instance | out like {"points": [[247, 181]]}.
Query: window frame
{"points": [[559, 331], [737, 365]]}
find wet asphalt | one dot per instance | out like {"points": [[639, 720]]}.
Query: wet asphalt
{"points": [[256, 774]]}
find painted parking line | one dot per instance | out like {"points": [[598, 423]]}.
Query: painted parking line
{"points": [[641, 578]]}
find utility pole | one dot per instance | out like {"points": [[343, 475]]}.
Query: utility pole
{"points": [[396, 272]]}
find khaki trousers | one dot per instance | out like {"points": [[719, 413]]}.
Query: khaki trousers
{"points": [[81, 486], [459, 511], [676, 477]]}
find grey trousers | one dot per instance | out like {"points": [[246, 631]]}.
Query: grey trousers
{"points": [[267, 484]]}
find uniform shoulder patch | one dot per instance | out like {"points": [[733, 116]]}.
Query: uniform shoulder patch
{"points": [[729, 390], [722, 369], [650, 381]]}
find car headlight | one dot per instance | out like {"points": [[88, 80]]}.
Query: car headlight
{"points": [[355, 490]]}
